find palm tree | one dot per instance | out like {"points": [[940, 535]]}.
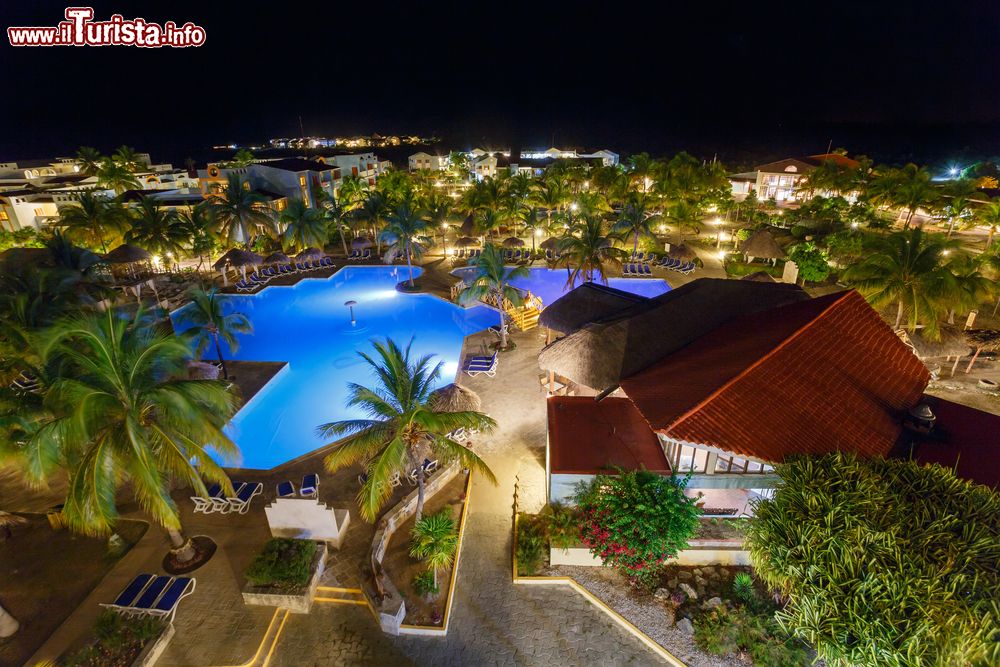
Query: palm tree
{"points": [[683, 215], [352, 191], [304, 226], [550, 194], [400, 429], [334, 217], [89, 159], [634, 220], [906, 268], [435, 540], [988, 216], [586, 250], [640, 171], [530, 217], [159, 230], [374, 208], [908, 188], [491, 282], [115, 176], [201, 230], [242, 215], [126, 157], [120, 417], [242, 158], [405, 234], [93, 220], [209, 322]]}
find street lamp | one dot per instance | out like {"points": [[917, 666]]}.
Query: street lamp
{"points": [[350, 304], [718, 231]]}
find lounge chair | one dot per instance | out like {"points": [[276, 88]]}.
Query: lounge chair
{"points": [[204, 504], [243, 286], [429, 466], [166, 606], [362, 478], [25, 383], [548, 255], [327, 261], [497, 331], [150, 594], [240, 503], [395, 481], [285, 490], [482, 365], [220, 503], [130, 593], [310, 486], [355, 254], [367, 254], [646, 271]]}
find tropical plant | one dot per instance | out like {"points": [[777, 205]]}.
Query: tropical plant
{"points": [[683, 216], [89, 159], [530, 545], [725, 631], [284, 563], [635, 221], [587, 252], [209, 322], [406, 234], [241, 215], [812, 262], [400, 429], [909, 188], [883, 561], [242, 158], [988, 216], [93, 220], [425, 584], [158, 230], [561, 525], [373, 211], [635, 520], [435, 540], [743, 586], [126, 157], [201, 229], [491, 282], [115, 414], [304, 226], [116, 176], [906, 269]]}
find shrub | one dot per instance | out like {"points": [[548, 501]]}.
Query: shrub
{"points": [[561, 524], [284, 563], [743, 586], [119, 639], [883, 561], [723, 631], [530, 546], [435, 539], [425, 584], [812, 261], [636, 520]]}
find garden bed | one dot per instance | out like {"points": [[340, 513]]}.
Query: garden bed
{"points": [[123, 641], [286, 574], [403, 568], [720, 529]]}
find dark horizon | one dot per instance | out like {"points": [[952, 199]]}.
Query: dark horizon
{"points": [[900, 81]]}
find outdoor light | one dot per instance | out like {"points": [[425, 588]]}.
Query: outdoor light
{"points": [[953, 171], [538, 232], [663, 229], [854, 225], [717, 222], [722, 254], [444, 225], [437, 184], [586, 184], [946, 252], [573, 207], [350, 304]]}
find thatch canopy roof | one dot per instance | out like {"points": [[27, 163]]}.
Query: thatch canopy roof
{"points": [[550, 243], [952, 343], [762, 244], [587, 303], [455, 398], [682, 252], [310, 253], [277, 258], [599, 354], [987, 340], [127, 254], [361, 243], [513, 242], [238, 257], [468, 227], [16, 259], [466, 240], [200, 370], [8, 520], [759, 277]]}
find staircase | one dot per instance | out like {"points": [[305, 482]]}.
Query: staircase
{"points": [[523, 317], [338, 595]]}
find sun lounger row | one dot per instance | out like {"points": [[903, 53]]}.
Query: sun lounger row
{"points": [[309, 488], [649, 257], [677, 265], [636, 271], [153, 595], [260, 278], [361, 254], [552, 256], [217, 501], [517, 255], [482, 365], [428, 466], [468, 254]]}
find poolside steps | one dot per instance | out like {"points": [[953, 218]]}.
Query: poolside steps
{"points": [[524, 317]]}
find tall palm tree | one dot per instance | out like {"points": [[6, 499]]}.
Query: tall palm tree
{"points": [[909, 188], [530, 217], [683, 215], [115, 176], [304, 226], [586, 250], [435, 540], [93, 220], [399, 429], [242, 215], [491, 281], [640, 171], [988, 216], [209, 322], [118, 416], [907, 269], [158, 230], [635, 220], [126, 157], [201, 230], [334, 216], [352, 191], [373, 210], [406, 234], [89, 159], [550, 194]]}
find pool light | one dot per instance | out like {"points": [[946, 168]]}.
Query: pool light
{"points": [[350, 304]]}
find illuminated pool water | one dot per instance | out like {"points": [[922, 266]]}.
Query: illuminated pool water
{"points": [[550, 284], [309, 326]]}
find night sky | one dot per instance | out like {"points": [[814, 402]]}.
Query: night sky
{"points": [[896, 80]]}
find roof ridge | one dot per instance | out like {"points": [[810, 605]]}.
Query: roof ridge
{"points": [[746, 371]]}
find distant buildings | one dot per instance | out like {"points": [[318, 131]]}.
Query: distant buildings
{"points": [[780, 180], [488, 164], [426, 162]]}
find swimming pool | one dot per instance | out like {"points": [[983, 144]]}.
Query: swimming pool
{"points": [[550, 284], [309, 326]]}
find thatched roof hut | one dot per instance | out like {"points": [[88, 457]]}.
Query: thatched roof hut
{"points": [[466, 240], [952, 342], [237, 258], [599, 354], [201, 370], [587, 303], [455, 398], [759, 277], [127, 254], [762, 244], [360, 243], [468, 227], [277, 258], [513, 242], [310, 253], [984, 340], [682, 252], [550, 243]]}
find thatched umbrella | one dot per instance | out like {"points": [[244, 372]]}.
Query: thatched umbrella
{"points": [[238, 259], [127, 254], [309, 254], [466, 240], [759, 277], [360, 243], [202, 370], [982, 339], [8, 520], [550, 243], [454, 398], [468, 226], [762, 245], [513, 242], [277, 258], [682, 252]]}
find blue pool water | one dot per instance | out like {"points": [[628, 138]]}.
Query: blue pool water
{"points": [[308, 326], [550, 284]]}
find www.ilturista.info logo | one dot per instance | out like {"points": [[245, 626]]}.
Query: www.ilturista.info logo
{"points": [[79, 29]]}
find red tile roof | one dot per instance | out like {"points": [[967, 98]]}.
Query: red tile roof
{"points": [[586, 437], [807, 378]]}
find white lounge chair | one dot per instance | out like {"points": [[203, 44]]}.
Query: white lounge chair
{"points": [[482, 365], [240, 503], [310, 486]]}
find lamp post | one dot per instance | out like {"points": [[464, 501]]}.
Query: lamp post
{"points": [[350, 304], [718, 232], [444, 238]]}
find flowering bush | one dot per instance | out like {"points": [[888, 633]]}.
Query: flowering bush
{"points": [[636, 520]]}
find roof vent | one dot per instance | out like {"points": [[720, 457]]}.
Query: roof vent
{"points": [[920, 418]]}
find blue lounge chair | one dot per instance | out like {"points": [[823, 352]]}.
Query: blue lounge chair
{"points": [[152, 593], [646, 271], [240, 503], [548, 255], [429, 466], [130, 593], [367, 254], [286, 490], [310, 486], [482, 365], [327, 261], [220, 503], [244, 286], [355, 254], [166, 606]]}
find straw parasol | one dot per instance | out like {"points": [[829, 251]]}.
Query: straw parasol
{"points": [[762, 245], [309, 253], [454, 398], [277, 258], [8, 520], [682, 252], [513, 242], [127, 254], [983, 340], [951, 342], [466, 240], [201, 370], [468, 226], [360, 243], [550, 243], [237, 259]]}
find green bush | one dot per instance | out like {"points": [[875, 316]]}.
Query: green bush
{"points": [[743, 586], [883, 561], [284, 563], [561, 524], [813, 263], [119, 639], [724, 631], [530, 545], [424, 584]]}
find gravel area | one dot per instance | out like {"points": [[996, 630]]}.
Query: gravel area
{"points": [[642, 610]]}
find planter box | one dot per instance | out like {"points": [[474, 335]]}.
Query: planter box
{"points": [[299, 602], [699, 552], [155, 649]]}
